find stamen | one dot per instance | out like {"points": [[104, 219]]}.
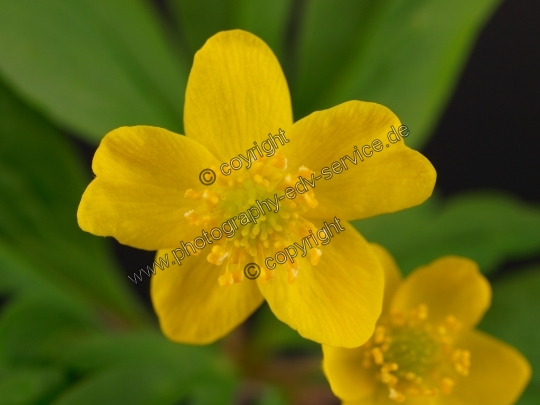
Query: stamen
{"points": [[452, 323], [389, 379], [413, 357], [310, 200], [378, 357], [279, 161], [462, 361], [305, 172], [315, 256], [447, 385], [378, 336], [253, 242], [192, 194], [396, 396], [218, 254], [226, 279]]}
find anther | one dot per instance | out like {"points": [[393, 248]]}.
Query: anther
{"points": [[447, 384], [315, 256], [396, 396], [378, 357], [379, 334]]}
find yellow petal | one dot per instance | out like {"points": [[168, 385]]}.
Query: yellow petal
{"points": [[138, 195], [348, 379], [336, 302], [236, 94], [392, 274], [448, 286], [380, 396], [192, 307], [498, 374], [395, 178]]}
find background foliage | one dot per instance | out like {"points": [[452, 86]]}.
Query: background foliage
{"points": [[72, 328]]}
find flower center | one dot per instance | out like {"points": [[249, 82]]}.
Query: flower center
{"points": [[234, 204], [415, 358]]}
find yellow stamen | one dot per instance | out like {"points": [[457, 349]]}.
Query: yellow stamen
{"points": [[192, 194], [396, 396], [378, 357], [315, 256], [378, 336], [232, 195], [447, 384], [414, 357]]}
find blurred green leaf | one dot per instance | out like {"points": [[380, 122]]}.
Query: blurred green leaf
{"points": [[17, 274], [145, 368], [271, 336], [404, 54], [213, 389], [29, 386], [37, 328], [513, 317], [41, 183], [133, 368], [199, 20], [147, 384], [127, 385], [486, 227], [142, 347], [92, 65], [272, 396]]}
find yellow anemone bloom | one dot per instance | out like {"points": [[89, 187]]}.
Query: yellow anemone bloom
{"points": [[148, 194], [424, 350]]}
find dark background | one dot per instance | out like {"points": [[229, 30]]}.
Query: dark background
{"points": [[487, 137]]}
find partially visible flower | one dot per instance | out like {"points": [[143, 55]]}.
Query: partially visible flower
{"points": [[425, 350], [147, 194]]}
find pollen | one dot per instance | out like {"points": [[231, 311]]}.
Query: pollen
{"points": [[229, 196], [412, 357]]}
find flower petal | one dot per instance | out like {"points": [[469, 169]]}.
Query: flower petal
{"points": [[138, 195], [381, 397], [392, 179], [336, 302], [236, 94], [349, 380], [392, 274], [498, 374], [450, 285], [191, 305]]}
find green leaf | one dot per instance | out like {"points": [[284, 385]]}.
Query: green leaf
{"points": [[270, 336], [37, 328], [486, 227], [513, 318], [127, 385], [213, 390], [41, 183], [92, 65], [272, 396], [29, 386], [145, 368], [142, 347], [17, 274], [198, 21], [136, 368], [404, 54]]}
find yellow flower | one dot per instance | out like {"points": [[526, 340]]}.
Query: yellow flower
{"points": [[424, 349], [147, 194]]}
